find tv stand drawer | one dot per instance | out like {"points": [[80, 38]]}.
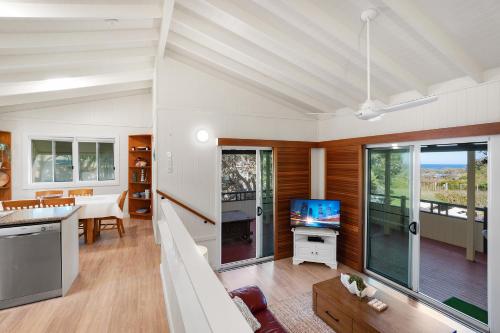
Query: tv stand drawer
{"points": [[336, 319]]}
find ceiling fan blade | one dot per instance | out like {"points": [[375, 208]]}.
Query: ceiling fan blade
{"points": [[409, 104]]}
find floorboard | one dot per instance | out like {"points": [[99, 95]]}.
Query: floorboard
{"points": [[118, 290]]}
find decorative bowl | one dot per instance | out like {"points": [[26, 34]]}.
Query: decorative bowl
{"points": [[353, 288]]}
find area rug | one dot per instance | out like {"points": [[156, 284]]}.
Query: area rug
{"points": [[297, 315], [468, 309]]}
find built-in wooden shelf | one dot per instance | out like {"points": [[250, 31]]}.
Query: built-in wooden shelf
{"points": [[139, 140], [143, 199], [6, 192]]}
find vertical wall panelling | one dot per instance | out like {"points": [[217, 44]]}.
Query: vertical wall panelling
{"points": [[344, 182], [292, 167]]}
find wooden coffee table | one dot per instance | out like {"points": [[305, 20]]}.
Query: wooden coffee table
{"points": [[345, 312]]}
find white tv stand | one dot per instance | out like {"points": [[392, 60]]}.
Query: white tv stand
{"points": [[304, 250]]}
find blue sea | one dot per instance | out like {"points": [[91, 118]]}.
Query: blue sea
{"points": [[443, 166]]}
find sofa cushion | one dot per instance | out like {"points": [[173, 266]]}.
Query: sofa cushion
{"points": [[247, 314], [252, 296]]}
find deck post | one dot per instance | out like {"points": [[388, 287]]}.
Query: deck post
{"points": [[471, 204]]}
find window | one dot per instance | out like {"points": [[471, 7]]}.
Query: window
{"points": [[52, 160], [96, 161]]}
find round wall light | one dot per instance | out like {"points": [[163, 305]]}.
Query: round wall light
{"points": [[202, 135]]}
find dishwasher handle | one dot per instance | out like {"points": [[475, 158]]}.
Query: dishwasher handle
{"points": [[21, 235]]}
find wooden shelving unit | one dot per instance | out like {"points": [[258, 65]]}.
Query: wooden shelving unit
{"points": [[140, 178], [6, 191]]}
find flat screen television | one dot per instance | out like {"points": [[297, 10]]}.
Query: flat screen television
{"points": [[315, 213]]}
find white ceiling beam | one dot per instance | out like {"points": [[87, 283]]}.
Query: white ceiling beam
{"points": [[68, 83], [33, 61], [168, 10], [266, 66], [77, 11], [6, 102], [74, 70], [80, 97], [411, 15], [333, 36], [185, 47], [237, 21], [59, 39]]}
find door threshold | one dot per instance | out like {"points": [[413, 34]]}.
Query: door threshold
{"points": [[244, 263]]}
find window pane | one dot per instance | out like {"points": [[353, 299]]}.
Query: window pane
{"points": [[64, 161], [106, 161], [87, 161], [41, 161]]}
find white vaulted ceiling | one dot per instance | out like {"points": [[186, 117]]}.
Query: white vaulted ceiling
{"points": [[308, 52], [53, 50]]}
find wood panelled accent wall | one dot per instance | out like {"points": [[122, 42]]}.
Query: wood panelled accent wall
{"points": [[292, 169], [344, 181]]}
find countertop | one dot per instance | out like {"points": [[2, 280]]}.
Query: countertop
{"points": [[36, 215]]}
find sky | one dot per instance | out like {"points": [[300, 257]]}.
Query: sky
{"points": [[452, 157]]}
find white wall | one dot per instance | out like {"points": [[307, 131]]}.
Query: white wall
{"points": [[114, 117], [189, 99], [317, 173], [456, 107]]}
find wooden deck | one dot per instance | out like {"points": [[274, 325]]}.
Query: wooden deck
{"points": [[445, 273], [118, 290]]}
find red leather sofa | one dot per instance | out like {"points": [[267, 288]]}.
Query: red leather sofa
{"points": [[257, 303]]}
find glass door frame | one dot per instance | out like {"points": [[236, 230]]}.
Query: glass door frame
{"points": [[414, 291], [414, 239], [258, 203]]}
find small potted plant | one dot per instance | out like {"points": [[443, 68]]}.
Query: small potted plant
{"points": [[357, 286], [4, 153]]}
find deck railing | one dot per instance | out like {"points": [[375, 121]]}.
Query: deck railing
{"points": [[434, 207]]}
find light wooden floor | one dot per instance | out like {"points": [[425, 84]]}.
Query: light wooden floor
{"points": [[280, 279], [118, 290]]}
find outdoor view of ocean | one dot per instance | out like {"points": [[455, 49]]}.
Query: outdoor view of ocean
{"points": [[443, 166]]}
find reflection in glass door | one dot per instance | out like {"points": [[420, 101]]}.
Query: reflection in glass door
{"points": [[265, 205], [247, 229], [389, 210]]}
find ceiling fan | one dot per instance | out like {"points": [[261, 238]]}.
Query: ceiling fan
{"points": [[370, 109]]}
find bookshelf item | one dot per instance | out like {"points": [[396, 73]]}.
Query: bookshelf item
{"points": [[140, 158], [5, 166]]}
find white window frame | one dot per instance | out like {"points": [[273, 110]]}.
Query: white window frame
{"points": [[27, 164]]}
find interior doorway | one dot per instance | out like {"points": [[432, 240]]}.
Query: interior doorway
{"points": [[427, 222], [247, 206]]}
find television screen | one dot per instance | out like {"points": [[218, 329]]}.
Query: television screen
{"points": [[315, 213]]}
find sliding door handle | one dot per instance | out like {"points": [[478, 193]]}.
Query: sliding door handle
{"points": [[259, 211], [413, 227]]}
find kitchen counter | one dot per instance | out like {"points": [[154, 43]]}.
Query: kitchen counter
{"points": [[36, 215]]}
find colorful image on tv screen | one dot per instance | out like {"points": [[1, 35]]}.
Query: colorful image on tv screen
{"points": [[315, 213]]}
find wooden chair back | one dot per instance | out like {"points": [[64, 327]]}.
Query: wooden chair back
{"points": [[121, 200], [58, 202], [20, 204], [49, 193], [81, 192]]}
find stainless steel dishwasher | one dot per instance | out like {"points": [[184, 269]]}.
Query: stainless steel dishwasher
{"points": [[30, 264]]}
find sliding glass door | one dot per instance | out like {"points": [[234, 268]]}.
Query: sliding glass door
{"points": [[389, 212], [427, 223], [247, 228]]}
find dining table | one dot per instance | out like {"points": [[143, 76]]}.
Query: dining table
{"points": [[95, 207]]}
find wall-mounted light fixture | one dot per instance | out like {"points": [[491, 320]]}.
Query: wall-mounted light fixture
{"points": [[202, 135]]}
